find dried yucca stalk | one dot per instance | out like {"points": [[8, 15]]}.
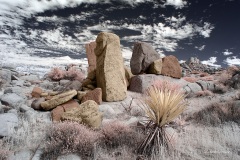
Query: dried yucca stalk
{"points": [[164, 102]]}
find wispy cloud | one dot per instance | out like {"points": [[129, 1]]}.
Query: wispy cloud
{"points": [[211, 62], [227, 52], [200, 48], [234, 60], [178, 4]]}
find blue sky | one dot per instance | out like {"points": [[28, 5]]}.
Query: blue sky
{"points": [[208, 29]]}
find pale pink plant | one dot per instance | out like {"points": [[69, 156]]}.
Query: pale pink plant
{"points": [[70, 137], [56, 74], [191, 79]]}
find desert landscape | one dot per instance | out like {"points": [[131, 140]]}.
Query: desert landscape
{"points": [[109, 110]]}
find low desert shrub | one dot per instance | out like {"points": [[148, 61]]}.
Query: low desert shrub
{"points": [[72, 73], [70, 137], [190, 79], [217, 114], [56, 74], [116, 134], [204, 93], [4, 151], [164, 102]]}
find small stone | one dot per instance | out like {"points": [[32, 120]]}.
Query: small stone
{"points": [[80, 95], [36, 92], [44, 94], [36, 104], [13, 100], [59, 110], [155, 67], [9, 121], [58, 99], [95, 95]]}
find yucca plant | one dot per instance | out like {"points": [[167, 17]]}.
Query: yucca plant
{"points": [[163, 103]]}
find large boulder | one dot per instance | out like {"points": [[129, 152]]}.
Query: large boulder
{"points": [[87, 113], [91, 56], [140, 83], [171, 67], [13, 100], [95, 95], [155, 67], [143, 55], [9, 121], [58, 99], [110, 72]]}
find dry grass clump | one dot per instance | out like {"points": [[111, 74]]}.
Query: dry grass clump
{"points": [[164, 102], [191, 79], [204, 93], [72, 73], [218, 113], [117, 134], [70, 137], [4, 152]]}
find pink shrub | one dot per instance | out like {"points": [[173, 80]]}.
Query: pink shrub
{"points": [[117, 133], [204, 74], [166, 85], [207, 78], [74, 74], [204, 93], [70, 137], [56, 74], [190, 79]]}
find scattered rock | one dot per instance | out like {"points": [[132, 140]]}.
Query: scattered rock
{"points": [[80, 95], [110, 72], [87, 113], [30, 78], [38, 117], [36, 92], [108, 111], [63, 82], [24, 108], [91, 56], [36, 104], [90, 114], [13, 100], [58, 99], [21, 91], [140, 83], [9, 121], [171, 67], [128, 75], [20, 155], [59, 110], [143, 55], [155, 67], [5, 76], [69, 157], [95, 95], [71, 85]]}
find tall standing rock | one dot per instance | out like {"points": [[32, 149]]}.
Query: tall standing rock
{"points": [[110, 73], [91, 56], [143, 55], [171, 67]]}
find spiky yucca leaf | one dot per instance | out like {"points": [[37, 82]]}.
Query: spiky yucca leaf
{"points": [[163, 105]]}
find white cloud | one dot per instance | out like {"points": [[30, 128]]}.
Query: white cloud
{"points": [[232, 61], [200, 48], [227, 53], [178, 4], [205, 30], [211, 62]]}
